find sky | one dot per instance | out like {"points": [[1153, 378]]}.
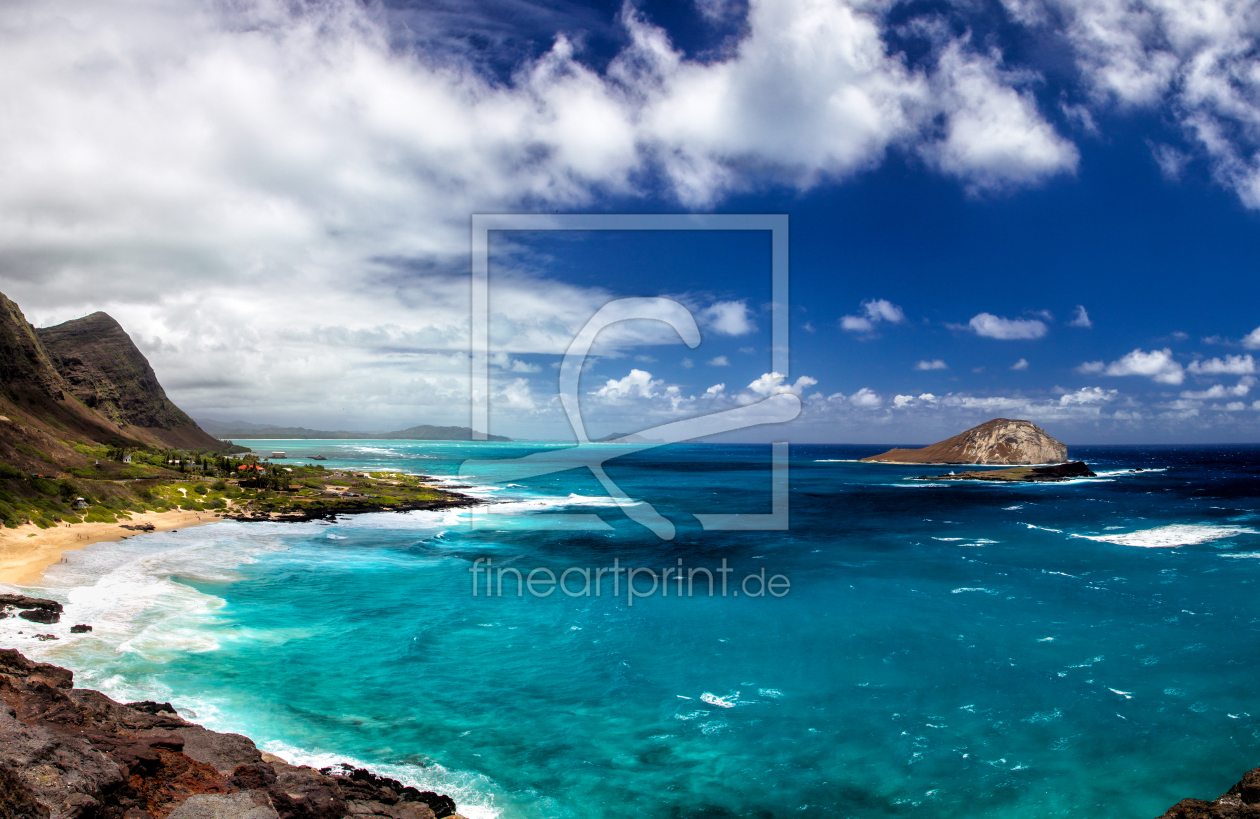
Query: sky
{"points": [[1040, 209]]}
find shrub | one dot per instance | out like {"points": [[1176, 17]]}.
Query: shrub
{"points": [[9, 471], [201, 489], [27, 449], [218, 503], [44, 486], [219, 486]]}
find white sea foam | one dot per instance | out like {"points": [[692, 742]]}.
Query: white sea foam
{"points": [[949, 538], [729, 701], [1044, 528], [1246, 555], [1175, 534], [471, 792], [973, 589], [1012, 508]]}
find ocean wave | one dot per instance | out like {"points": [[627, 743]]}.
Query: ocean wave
{"points": [[1172, 535]]}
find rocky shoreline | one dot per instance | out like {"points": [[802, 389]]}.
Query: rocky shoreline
{"points": [[1239, 802], [73, 753], [318, 511], [1020, 474]]}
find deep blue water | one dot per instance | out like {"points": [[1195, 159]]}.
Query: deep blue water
{"points": [[947, 650]]}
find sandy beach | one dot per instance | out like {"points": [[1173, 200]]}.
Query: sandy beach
{"points": [[25, 552]]}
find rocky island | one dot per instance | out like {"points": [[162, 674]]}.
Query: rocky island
{"points": [[1020, 474], [73, 753], [1000, 441]]}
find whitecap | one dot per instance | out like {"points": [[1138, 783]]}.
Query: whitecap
{"points": [[973, 589], [729, 701], [1172, 535]]}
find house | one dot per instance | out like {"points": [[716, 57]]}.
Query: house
{"points": [[80, 503], [126, 458]]}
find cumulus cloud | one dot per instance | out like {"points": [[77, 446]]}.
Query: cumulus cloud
{"points": [[994, 135], [1022, 364], [1088, 395], [991, 326], [715, 391], [719, 361], [934, 364], [873, 312], [638, 383], [1229, 365], [866, 398], [1252, 340], [1080, 318], [727, 318], [774, 384], [1158, 365], [1240, 389]]}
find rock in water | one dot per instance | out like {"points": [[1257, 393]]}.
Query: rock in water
{"points": [[1000, 441], [1020, 474]]}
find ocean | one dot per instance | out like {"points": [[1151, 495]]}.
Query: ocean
{"points": [[917, 647]]}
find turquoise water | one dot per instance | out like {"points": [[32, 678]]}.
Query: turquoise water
{"points": [[945, 649]]}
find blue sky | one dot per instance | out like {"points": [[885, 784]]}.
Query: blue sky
{"points": [[275, 201]]}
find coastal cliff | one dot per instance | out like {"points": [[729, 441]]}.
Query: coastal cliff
{"points": [[107, 372], [1000, 441], [81, 382], [73, 753], [1239, 802]]}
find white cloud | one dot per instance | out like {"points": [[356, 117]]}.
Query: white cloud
{"points": [[773, 384], [1190, 61], [1240, 389], [1081, 318], [1157, 365], [638, 383], [874, 311], [900, 401], [1088, 395], [1230, 365], [994, 136], [715, 391], [728, 318], [865, 398], [1252, 340], [687, 363], [934, 364], [719, 361], [991, 326], [1022, 364]]}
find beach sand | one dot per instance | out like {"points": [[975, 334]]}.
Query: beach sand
{"points": [[25, 552]]}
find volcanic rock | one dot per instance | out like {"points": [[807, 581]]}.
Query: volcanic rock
{"points": [[1240, 802], [72, 753], [1020, 474]]}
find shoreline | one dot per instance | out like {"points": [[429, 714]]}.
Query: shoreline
{"points": [[27, 551]]}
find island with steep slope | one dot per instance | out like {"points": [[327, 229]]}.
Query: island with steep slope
{"points": [[1000, 441]]}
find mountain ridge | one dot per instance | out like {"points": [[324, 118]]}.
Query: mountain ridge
{"points": [[244, 430]]}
